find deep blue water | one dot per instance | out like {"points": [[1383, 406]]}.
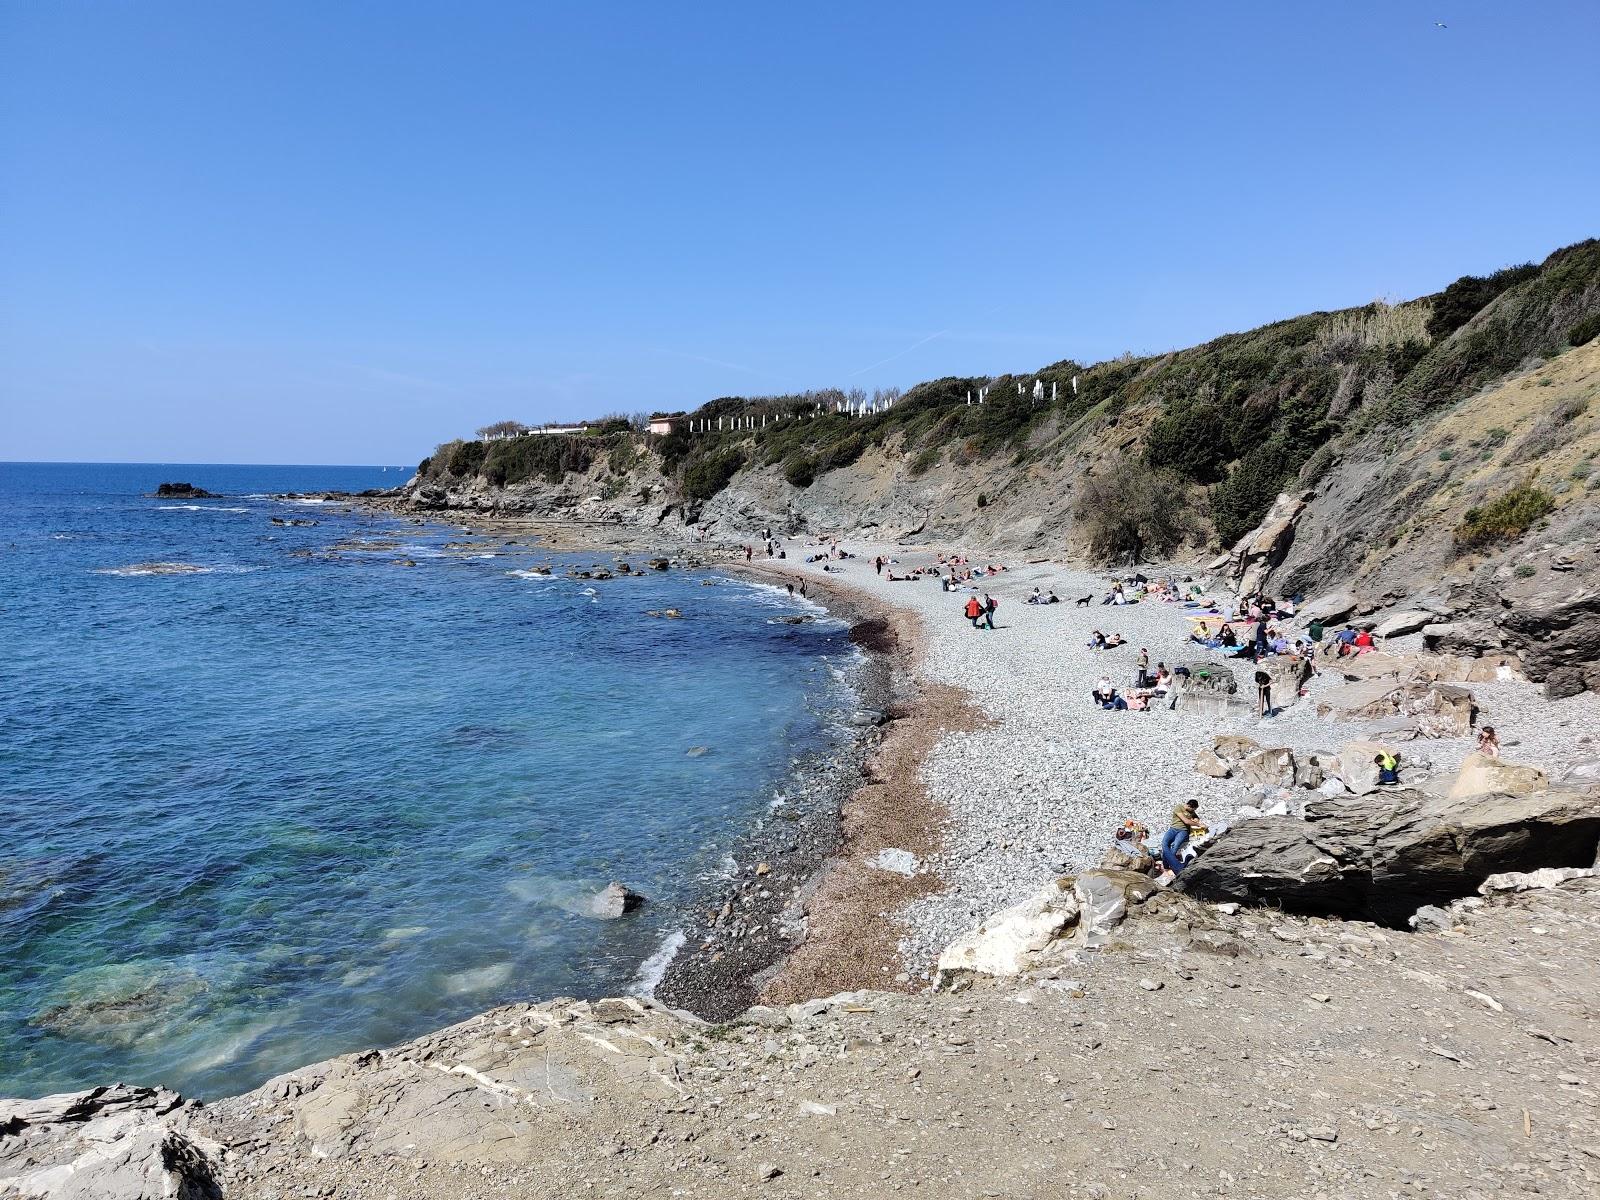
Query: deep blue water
{"points": [[299, 800]]}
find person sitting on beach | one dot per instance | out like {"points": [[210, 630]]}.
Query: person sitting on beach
{"points": [[1097, 641], [1035, 597], [1488, 742], [1363, 641], [1114, 596], [1185, 824], [1053, 598], [1103, 692], [1201, 634], [1114, 640], [1388, 767], [1163, 679], [1228, 638], [1128, 850]]}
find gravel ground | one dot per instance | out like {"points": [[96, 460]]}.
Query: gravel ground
{"points": [[1040, 792]]}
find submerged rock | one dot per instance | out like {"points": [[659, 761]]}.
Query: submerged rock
{"points": [[614, 901]]}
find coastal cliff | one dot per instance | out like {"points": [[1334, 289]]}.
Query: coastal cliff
{"points": [[1439, 452]]}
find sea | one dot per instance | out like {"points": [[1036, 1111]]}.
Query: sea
{"points": [[270, 794]]}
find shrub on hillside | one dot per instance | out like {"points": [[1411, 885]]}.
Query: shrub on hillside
{"points": [[1584, 331], [1194, 439], [1133, 510], [466, 458], [800, 470], [1470, 295], [704, 475], [1503, 519]]}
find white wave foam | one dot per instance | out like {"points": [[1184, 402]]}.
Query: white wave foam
{"points": [[654, 969], [212, 508], [157, 568], [177, 568]]}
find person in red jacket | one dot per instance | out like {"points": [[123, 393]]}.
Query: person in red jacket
{"points": [[974, 610]]}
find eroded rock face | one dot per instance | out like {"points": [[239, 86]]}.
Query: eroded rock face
{"points": [[108, 1143], [1387, 854], [1558, 634], [1265, 546]]}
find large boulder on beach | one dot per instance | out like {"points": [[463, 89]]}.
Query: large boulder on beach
{"points": [[1272, 768], [1328, 608], [108, 1143], [1383, 856], [1404, 621], [1209, 690], [1437, 709], [1481, 775], [1016, 938], [1358, 769]]}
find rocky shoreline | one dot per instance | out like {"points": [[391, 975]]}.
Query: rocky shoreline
{"points": [[740, 933]]}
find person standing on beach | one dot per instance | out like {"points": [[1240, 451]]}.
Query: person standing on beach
{"points": [[1263, 693], [989, 605], [878, 563], [974, 610], [1144, 667]]}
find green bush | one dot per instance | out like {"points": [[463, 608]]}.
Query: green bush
{"points": [[1504, 518], [1134, 509], [466, 458], [1470, 295], [1524, 571], [800, 469], [706, 475], [1584, 331], [1193, 439]]}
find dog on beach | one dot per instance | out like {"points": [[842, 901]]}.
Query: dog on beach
{"points": [[1084, 601]]}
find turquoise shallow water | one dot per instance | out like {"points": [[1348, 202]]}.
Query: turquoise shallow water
{"points": [[300, 800]]}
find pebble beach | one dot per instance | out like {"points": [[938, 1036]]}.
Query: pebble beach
{"points": [[1039, 788]]}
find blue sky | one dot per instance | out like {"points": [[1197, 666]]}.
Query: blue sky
{"points": [[343, 232]]}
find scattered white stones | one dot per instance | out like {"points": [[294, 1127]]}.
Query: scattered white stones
{"points": [[901, 862]]}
